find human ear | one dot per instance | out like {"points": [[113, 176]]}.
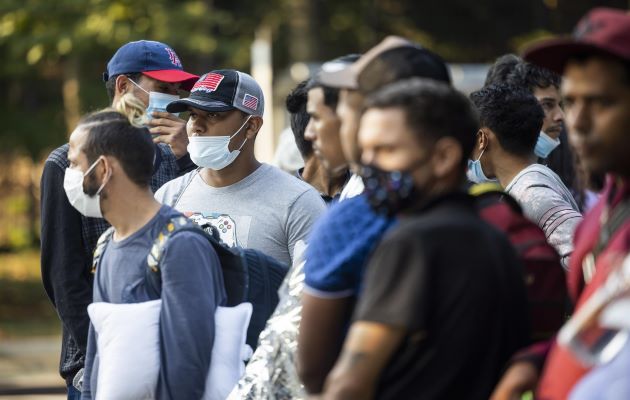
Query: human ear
{"points": [[253, 126], [447, 156]]}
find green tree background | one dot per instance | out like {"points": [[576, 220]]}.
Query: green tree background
{"points": [[55, 51]]}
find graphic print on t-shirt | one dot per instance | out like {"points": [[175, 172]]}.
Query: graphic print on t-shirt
{"points": [[222, 222]]}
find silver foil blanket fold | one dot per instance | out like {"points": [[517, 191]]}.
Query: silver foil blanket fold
{"points": [[271, 373]]}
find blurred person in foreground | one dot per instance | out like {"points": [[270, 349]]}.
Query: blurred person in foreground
{"points": [[432, 322], [343, 239]]}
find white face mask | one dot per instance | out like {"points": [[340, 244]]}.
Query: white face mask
{"points": [[213, 151], [157, 101], [89, 206]]}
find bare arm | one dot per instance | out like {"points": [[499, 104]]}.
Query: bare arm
{"points": [[365, 353], [322, 331]]}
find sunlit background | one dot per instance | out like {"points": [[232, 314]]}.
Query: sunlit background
{"points": [[53, 54]]}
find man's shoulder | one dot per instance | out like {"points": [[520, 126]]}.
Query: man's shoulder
{"points": [[59, 156], [284, 184], [166, 192], [535, 176], [181, 232]]}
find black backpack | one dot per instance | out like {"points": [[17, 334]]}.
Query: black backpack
{"points": [[249, 275]]}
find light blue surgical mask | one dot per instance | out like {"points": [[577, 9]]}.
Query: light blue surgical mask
{"points": [[545, 145], [474, 173], [157, 101]]}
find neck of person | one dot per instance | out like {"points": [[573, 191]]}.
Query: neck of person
{"points": [[244, 165], [323, 181], [129, 208], [510, 166]]}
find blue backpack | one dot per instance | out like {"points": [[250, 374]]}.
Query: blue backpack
{"points": [[249, 275]]}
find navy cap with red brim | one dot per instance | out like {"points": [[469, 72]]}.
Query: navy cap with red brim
{"points": [[186, 79]]}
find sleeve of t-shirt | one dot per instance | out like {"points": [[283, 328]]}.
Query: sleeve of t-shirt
{"points": [[395, 288], [339, 247], [556, 217], [192, 288], [301, 216]]}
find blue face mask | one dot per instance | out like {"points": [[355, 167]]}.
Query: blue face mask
{"points": [[545, 145], [157, 101], [475, 174]]}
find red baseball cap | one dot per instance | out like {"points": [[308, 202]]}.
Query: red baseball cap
{"points": [[603, 31]]}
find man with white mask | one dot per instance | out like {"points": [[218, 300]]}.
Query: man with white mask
{"points": [[68, 238], [251, 204], [109, 174]]}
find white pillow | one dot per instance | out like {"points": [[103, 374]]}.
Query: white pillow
{"points": [[229, 350], [128, 348]]}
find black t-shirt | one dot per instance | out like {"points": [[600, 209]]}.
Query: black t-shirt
{"points": [[456, 285]]}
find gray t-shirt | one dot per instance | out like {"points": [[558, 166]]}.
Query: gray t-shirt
{"points": [[269, 210], [547, 202]]}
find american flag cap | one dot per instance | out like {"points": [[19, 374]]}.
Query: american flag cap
{"points": [[223, 90]]}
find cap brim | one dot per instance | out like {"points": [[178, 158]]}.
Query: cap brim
{"points": [[553, 54], [345, 78], [174, 76], [183, 105]]}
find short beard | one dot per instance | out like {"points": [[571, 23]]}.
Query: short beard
{"points": [[91, 186]]}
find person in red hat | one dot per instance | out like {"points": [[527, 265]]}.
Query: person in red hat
{"points": [[595, 64]]}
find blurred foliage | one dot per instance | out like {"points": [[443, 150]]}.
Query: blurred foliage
{"points": [[24, 307], [48, 43]]}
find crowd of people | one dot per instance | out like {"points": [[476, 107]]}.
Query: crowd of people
{"points": [[435, 245]]}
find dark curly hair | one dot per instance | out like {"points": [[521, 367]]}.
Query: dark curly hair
{"points": [[512, 70], [512, 113]]}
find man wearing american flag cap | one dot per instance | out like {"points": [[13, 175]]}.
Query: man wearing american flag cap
{"points": [[251, 204]]}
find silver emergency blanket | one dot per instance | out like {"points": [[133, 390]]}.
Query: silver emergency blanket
{"points": [[271, 373]]}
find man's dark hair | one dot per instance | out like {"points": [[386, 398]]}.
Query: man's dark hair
{"points": [[298, 117], [110, 85], [512, 70], [331, 95], [432, 109], [513, 114], [501, 69], [111, 134]]}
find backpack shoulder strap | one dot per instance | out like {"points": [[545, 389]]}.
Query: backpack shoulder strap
{"points": [[186, 181], [233, 260], [101, 244]]}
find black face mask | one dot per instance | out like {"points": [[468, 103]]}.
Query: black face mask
{"points": [[388, 192]]}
